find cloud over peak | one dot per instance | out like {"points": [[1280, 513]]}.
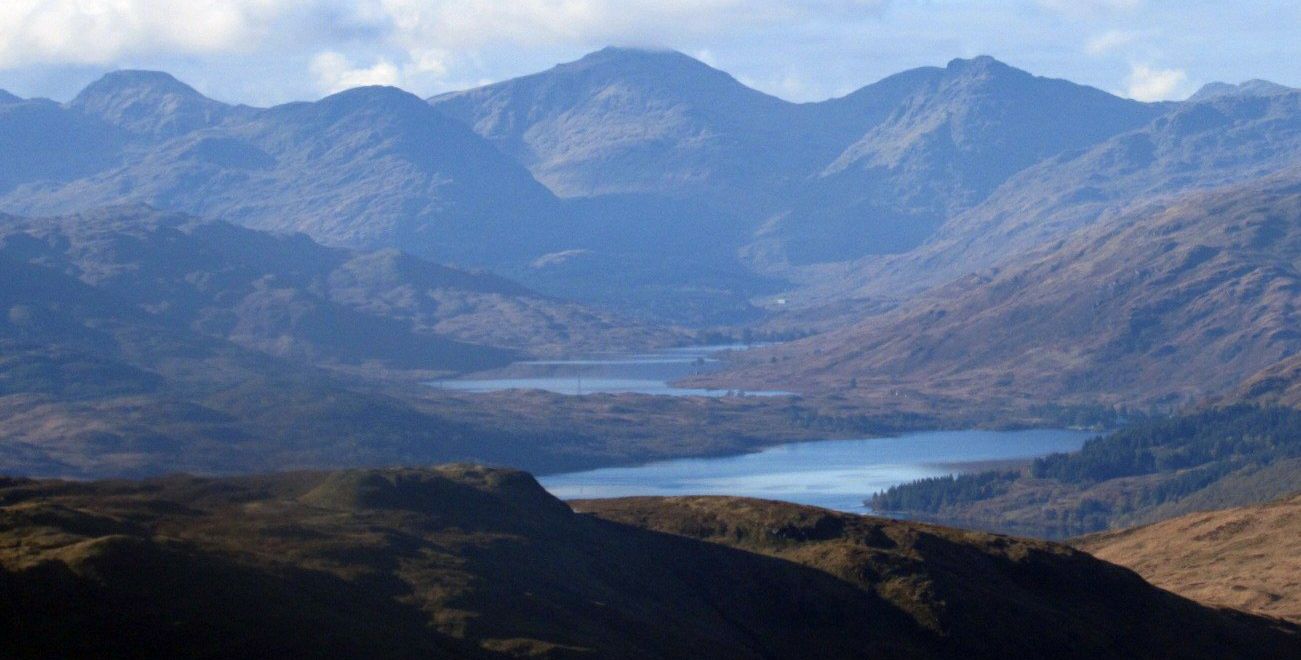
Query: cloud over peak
{"points": [[1148, 83], [269, 51]]}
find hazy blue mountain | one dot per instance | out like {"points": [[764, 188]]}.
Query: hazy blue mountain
{"points": [[633, 121], [291, 297], [1226, 140], [638, 121], [371, 167], [1178, 299], [685, 192], [875, 171], [268, 293], [652, 256], [943, 148], [150, 103], [41, 141], [6, 97], [94, 381], [1255, 87]]}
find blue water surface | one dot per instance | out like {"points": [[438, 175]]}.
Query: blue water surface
{"points": [[640, 373], [836, 474]]}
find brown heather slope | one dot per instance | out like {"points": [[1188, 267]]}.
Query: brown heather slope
{"points": [[1248, 557], [1179, 301], [462, 561], [985, 595], [1277, 384]]}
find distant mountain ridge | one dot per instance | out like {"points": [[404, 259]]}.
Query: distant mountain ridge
{"points": [[1255, 87], [1169, 303], [874, 171], [673, 191], [943, 149], [291, 297], [150, 103], [655, 122], [370, 167], [1196, 146]]}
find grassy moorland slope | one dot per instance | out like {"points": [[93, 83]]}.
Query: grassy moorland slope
{"points": [[1246, 557], [461, 561]]}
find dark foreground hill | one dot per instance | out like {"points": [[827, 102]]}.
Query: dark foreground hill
{"points": [[462, 561], [1246, 557]]}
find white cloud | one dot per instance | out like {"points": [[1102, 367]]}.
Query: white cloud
{"points": [[785, 85], [477, 23], [414, 42], [102, 31], [334, 72], [1110, 41], [261, 51], [1147, 83]]}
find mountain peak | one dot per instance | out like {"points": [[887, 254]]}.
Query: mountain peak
{"points": [[373, 99], [621, 60], [631, 53], [6, 98], [982, 69], [1253, 87], [384, 94], [980, 63], [148, 102], [135, 81]]}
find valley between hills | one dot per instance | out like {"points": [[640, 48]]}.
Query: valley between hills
{"points": [[219, 326]]}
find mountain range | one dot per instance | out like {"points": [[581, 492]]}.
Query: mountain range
{"points": [[365, 168], [1230, 138], [874, 171], [700, 192], [970, 232]]}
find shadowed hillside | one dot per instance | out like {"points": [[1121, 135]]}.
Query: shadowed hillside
{"points": [[984, 595], [463, 561], [289, 296]]}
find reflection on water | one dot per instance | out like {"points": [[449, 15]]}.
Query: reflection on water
{"points": [[836, 474], [645, 373]]}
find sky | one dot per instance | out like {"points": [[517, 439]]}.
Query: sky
{"points": [[264, 52]]}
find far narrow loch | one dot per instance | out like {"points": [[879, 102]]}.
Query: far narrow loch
{"points": [[650, 372]]}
